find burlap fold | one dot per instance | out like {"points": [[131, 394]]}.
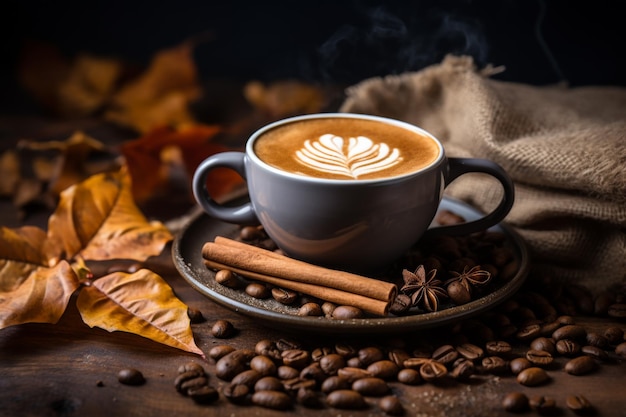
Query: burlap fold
{"points": [[565, 149]]}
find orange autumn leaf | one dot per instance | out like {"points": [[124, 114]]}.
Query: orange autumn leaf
{"points": [[145, 158], [30, 291], [97, 219], [140, 303], [160, 96]]}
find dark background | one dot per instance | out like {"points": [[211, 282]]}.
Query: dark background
{"points": [[341, 42]]}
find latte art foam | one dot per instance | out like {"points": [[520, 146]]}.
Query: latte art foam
{"points": [[352, 158], [346, 148]]}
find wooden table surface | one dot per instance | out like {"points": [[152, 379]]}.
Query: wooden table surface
{"points": [[69, 369]]}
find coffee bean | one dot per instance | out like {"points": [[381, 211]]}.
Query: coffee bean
{"points": [[398, 356], [458, 293], [204, 394], [263, 365], [313, 371], [567, 347], [296, 358], [345, 350], [369, 355], [370, 387], [581, 365], [249, 233], [614, 335], [346, 399], [257, 290], [347, 313], [533, 376], [180, 383], [249, 377], [515, 402], [391, 405], [195, 315], [352, 374], [130, 376], [284, 296], [595, 352], [222, 329], [193, 383], [596, 339], [543, 405], [409, 377], [620, 349], [445, 354], [237, 394], [191, 366], [268, 383], [463, 368], [227, 278], [287, 344], [384, 369], [545, 344], [432, 370], [494, 364], [334, 383], [470, 351], [539, 357], [498, 347], [233, 363], [517, 365], [287, 372], [331, 363], [400, 305], [217, 352], [570, 331], [276, 400], [268, 348], [578, 404], [328, 308], [308, 398], [310, 309], [528, 332]]}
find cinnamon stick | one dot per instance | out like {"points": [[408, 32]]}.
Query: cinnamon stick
{"points": [[251, 258], [370, 305]]}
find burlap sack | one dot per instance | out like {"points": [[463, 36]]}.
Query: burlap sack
{"points": [[565, 149]]}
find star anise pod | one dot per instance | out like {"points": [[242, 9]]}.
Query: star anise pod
{"points": [[470, 277], [425, 291]]}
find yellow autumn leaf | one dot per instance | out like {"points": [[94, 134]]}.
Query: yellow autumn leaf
{"points": [[141, 303], [40, 298], [21, 253], [98, 220]]}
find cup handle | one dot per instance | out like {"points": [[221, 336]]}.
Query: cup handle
{"points": [[460, 166], [241, 214]]}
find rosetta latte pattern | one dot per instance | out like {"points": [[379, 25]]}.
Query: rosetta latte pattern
{"points": [[353, 158]]}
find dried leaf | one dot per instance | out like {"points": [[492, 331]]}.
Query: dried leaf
{"points": [[9, 172], [284, 98], [29, 290], [98, 220], [141, 303], [161, 95], [21, 253], [147, 158], [88, 86]]}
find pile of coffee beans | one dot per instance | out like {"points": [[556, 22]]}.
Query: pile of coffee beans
{"points": [[527, 338]]}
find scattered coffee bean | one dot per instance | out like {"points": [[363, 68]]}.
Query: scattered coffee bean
{"points": [[620, 349], [391, 405], [543, 405], [539, 357], [130, 376], [307, 397], [533, 376], [567, 347], [614, 335], [205, 394], [517, 365], [284, 296], [237, 394], [515, 402], [216, 352], [195, 315], [370, 387], [410, 377], [385, 369], [498, 347], [249, 377], [346, 399], [268, 383], [570, 331], [578, 404], [581, 365], [470, 351], [276, 400], [545, 344], [251, 233], [223, 329], [263, 365], [595, 352], [310, 309]]}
